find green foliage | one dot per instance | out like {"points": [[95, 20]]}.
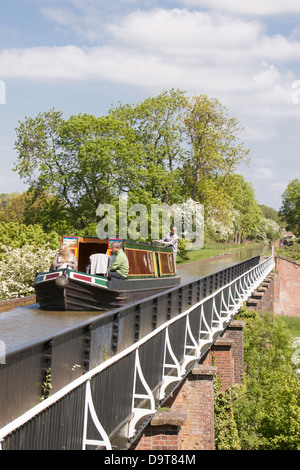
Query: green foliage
{"points": [[226, 431], [290, 252], [245, 207], [166, 149], [270, 213], [84, 161], [268, 230], [266, 408], [290, 209], [159, 126], [5, 199], [46, 385], [37, 208], [16, 235], [182, 251], [213, 138]]}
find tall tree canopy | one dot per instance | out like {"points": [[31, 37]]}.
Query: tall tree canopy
{"points": [[290, 209], [166, 149], [186, 140], [85, 160], [159, 126], [213, 143]]}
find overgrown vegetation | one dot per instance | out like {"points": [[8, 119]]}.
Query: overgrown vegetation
{"points": [[290, 252], [264, 413], [290, 209]]}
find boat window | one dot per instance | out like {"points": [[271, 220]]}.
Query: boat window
{"points": [[140, 262], [150, 261], [170, 261], [166, 263]]}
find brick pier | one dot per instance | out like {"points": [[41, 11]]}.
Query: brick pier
{"points": [[189, 423]]}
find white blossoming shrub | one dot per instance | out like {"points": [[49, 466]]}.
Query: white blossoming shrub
{"points": [[268, 230], [18, 267], [219, 225]]}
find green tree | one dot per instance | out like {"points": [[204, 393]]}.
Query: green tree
{"points": [[271, 225], [247, 214], [158, 123], [214, 149], [84, 161], [186, 141], [5, 199], [190, 147], [49, 211], [16, 235], [32, 208], [166, 149], [290, 209], [270, 213], [15, 209]]}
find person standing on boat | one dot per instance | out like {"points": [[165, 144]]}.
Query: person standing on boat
{"points": [[171, 239], [120, 266], [64, 259]]}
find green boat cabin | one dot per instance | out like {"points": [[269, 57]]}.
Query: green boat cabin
{"points": [[146, 260]]}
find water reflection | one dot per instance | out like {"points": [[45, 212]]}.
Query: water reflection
{"points": [[25, 324], [191, 271]]}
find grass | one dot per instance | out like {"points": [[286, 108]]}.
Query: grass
{"points": [[292, 324], [291, 252]]}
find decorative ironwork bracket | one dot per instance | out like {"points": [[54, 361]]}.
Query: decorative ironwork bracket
{"points": [[168, 379], [89, 407], [140, 412]]}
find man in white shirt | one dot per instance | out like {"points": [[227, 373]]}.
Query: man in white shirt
{"points": [[171, 239]]}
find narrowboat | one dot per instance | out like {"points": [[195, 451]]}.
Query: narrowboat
{"points": [[152, 269]]}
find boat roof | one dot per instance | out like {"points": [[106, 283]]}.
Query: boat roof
{"points": [[125, 242]]}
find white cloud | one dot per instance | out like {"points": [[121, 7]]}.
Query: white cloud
{"points": [[177, 38], [175, 31], [253, 7], [86, 20], [46, 63], [232, 59]]}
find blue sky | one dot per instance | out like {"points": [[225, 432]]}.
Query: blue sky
{"points": [[83, 56]]}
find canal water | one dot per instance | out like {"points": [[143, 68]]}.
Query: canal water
{"points": [[192, 271], [23, 325]]}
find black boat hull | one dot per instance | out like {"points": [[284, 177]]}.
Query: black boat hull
{"points": [[67, 293]]}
